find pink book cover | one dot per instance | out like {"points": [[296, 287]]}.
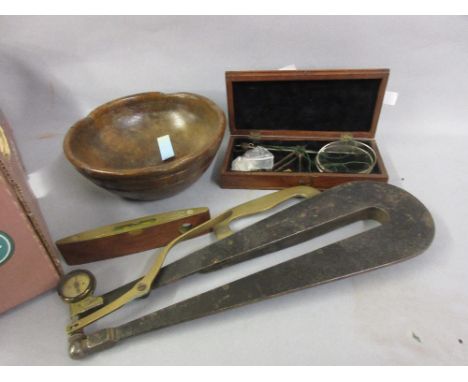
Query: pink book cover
{"points": [[28, 261]]}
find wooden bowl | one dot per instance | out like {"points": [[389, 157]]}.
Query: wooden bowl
{"points": [[115, 146]]}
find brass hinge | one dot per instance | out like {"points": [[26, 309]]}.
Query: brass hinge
{"points": [[346, 137], [255, 135]]}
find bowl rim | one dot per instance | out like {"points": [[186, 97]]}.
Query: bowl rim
{"points": [[156, 169]]}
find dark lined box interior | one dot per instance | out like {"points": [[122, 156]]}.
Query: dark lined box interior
{"points": [[315, 105]]}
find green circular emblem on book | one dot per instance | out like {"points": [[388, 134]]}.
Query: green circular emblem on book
{"points": [[7, 247]]}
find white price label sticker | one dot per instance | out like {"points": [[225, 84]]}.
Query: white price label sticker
{"points": [[390, 98], [165, 147]]}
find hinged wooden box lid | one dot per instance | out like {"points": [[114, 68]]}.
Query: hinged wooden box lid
{"points": [[306, 103]]}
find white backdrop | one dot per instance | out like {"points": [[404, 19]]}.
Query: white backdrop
{"points": [[54, 70]]}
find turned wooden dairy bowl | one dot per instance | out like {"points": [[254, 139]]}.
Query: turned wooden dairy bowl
{"points": [[116, 147]]}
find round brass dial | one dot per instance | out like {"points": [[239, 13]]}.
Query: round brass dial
{"points": [[76, 285]]}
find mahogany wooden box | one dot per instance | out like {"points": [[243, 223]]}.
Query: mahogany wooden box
{"points": [[302, 107]]}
